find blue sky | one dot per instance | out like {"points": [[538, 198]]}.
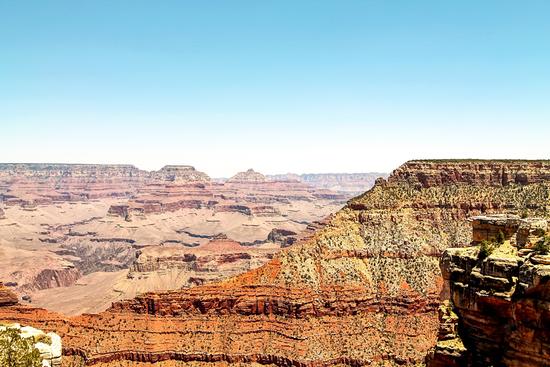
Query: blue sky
{"points": [[301, 86]]}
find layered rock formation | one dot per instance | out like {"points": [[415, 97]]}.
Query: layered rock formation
{"points": [[7, 297], [499, 299], [30, 184], [214, 260], [362, 290], [178, 173], [78, 227]]}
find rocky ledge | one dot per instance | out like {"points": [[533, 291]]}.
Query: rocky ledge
{"points": [[7, 297], [499, 308], [429, 173]]}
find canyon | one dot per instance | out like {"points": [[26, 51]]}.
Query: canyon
{"points": [[75, 238], [362, 288]]}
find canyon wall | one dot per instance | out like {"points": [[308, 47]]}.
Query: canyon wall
{"points": [[499, 309]]}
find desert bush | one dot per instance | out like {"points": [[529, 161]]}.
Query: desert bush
{"points": [[486, 248], [16, 351], [543, 246], [500, 237]]}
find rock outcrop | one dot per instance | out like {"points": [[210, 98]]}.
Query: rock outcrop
{"points": [[362, 290], [7, 297], [496, 173], [51, 278], [178, 173], [249, 176], [499, 308]]}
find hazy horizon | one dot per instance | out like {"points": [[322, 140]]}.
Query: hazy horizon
{"points": [[311, 86]]}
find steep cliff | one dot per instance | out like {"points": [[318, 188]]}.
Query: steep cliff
{"points": [[362, 290], [7, 297], [499, 297]]}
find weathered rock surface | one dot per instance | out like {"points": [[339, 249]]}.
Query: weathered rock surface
{"points": [[500, 303], [7, 297]]}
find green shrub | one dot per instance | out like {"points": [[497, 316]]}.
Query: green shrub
{"points": [[524, 214], [500, 237], [543, 246], [486, 248], [16, 351]]}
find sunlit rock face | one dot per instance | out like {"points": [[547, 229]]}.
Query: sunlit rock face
{"points": [[7, 297], [499, 308]]}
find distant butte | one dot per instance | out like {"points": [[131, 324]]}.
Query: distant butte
{"points": [[249, 176]]}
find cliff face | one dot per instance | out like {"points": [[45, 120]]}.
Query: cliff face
{"points": [[500, 303], [7, 297], [362, 290], [38, 183], [429, 173]]}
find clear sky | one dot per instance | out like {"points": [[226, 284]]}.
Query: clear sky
{"points": [[300, 86]]}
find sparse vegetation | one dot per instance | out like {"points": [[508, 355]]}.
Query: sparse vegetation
{"points": [[543, 246], [500, 237], [16, 351], [486, 248], [524, 214]]}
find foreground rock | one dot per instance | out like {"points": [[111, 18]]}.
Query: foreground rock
{"points": [[499, 308]]}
